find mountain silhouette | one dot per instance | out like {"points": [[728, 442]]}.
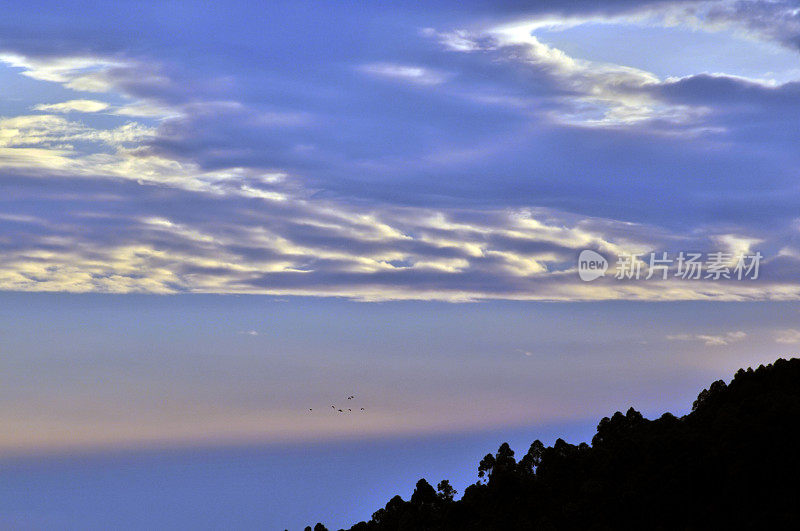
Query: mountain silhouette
{"points": [[732, 463]]}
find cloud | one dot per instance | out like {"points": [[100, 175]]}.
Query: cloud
{"points": [[262, 232], [145, 110], [711, 340], [407, 73], [83, 73], [591, 93], [506, 158], [87, 106], [116, 235], [788, 336], [775, 20]]}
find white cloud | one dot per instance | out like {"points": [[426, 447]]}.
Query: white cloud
{"points": [[600, 94], [87, 106], [408, 73], [611, 94], [711, 340], [145, 110], [787, 336], [78, 73], [736, 245]]}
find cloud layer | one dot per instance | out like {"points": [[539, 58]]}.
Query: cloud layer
{"points": [[423, 156]]}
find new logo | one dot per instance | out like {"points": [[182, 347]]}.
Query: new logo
{"points": [[591, 265]]}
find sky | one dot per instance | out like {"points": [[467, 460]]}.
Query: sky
{"points": [[216, 217]]}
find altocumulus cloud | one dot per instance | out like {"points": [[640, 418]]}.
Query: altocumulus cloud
{"points": [[441, 158]]}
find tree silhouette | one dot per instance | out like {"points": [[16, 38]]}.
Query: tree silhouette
{"points": [[445, 491], [424, 494], [733, 462]]}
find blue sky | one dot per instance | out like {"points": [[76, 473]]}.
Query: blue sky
{"points": [[215, 217]]}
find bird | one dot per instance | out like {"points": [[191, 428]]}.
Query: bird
{"points": [[351, 397], [362, 409], [339, 410], [348, 409], [310, 409], [333, 407]]}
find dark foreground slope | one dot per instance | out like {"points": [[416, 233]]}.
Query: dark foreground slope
{"points": [[733, 462]]}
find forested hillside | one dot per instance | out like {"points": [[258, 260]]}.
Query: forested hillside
{"points": [[733, 462]]}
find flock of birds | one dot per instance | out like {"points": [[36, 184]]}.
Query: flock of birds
{"points": [[343, 410]]}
